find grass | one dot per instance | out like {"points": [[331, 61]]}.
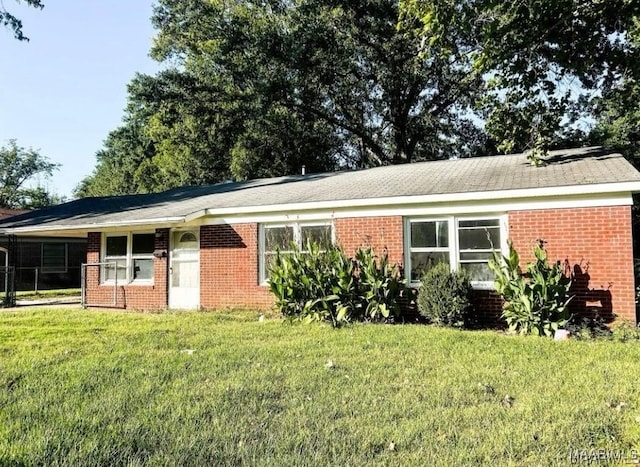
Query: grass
{"points": [[84, 387], [56, 293]]}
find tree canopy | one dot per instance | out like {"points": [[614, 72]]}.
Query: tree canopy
{"points": [[18, 165], [543, 63], [10, 21], [253, 89]]}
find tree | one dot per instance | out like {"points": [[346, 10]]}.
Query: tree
{"points": [[10, 21], [618, 120], [541, 62], [17, 166], [343, 63], [261, 88], [183, 129]]}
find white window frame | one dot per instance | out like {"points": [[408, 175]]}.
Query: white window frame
{"points": [[408, 249], [454, 246], [297, 237], [128, 257], [48, 269]]}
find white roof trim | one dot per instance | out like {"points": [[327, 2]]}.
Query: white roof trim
{"points": [[95, 226], [436, 209], [496, 196]]}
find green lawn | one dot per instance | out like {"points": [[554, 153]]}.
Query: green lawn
{"points": [[93, 387]]}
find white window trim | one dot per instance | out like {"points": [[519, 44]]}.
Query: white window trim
{"points": [[262, 274], [49, 270], [129, 257], [454, 247]]}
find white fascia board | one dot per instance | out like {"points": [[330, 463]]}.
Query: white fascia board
{"points": [[94, 227], [467, 207], [493, 196]]}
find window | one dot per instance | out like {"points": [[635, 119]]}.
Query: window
{"points": [[477, 239], [281, 238], [464, 243], [429, 245], [130, 257], [186, 240], [142, 256], [54, 257]]}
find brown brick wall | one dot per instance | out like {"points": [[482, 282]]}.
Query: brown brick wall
{"points": [[378, 233], [229, 267], [137, 297], [595, 243]]}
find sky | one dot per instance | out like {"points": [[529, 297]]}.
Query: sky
{"points": [[63, 91]]}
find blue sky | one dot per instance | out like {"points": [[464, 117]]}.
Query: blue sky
{"points": [[63, 91]]}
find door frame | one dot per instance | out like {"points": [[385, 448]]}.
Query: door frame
{"points": [[172, 257]]}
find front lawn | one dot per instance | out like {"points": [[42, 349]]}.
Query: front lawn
{"points": [[84, 387]]}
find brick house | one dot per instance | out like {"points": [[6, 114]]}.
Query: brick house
{"points": [[210, 246]]}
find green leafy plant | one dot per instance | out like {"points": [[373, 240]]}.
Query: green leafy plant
{"points": [[380, 285], [322, 283], [314, 284], [536, 301], [444, 298]]}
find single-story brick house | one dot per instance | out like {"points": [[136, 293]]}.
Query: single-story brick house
{"points": [[209, 246]]}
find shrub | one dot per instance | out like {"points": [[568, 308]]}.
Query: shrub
{"points": [[535, 302], [321, 282], [445, 296]]}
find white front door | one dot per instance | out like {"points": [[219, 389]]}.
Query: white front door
{"points": [[184, 272]]}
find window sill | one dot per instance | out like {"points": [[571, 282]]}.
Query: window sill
{"points": [[474, 285], [483, 286], [123, 283]]}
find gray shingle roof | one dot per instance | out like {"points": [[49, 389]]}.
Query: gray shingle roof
{"points": [[576, 167]]}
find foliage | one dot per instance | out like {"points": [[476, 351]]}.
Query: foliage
{"points": [[379, 285], [17, 166], [12, 22], [262, 88], [314, 284], [258, 89], [445, 296], [90, 387], [320, 282], [535, 302], [589, 328], [342, 63], [618, 120], [541, 62], [626, 332], [183, 128]]}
